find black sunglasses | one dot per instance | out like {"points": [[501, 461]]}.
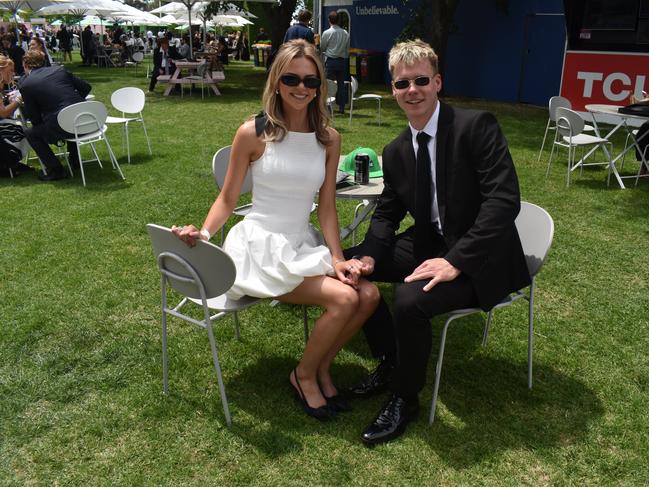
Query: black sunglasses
{"points": [[295, 80], [402, 84]]}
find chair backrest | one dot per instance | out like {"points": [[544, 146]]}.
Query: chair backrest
{"points": [[557, 102], [536, 230], [332, 88], [220, 163], [138, 56], [186, 267], [128, 100], [83, 118], [569, 123], [354, 86]]}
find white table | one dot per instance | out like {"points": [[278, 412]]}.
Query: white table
{"points": [[209, 78], [368, 194], [610, 114]]}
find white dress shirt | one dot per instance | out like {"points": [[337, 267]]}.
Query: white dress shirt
{"points": [[431, 129]]}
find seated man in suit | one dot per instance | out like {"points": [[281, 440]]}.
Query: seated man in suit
{"points": [[452, 171], [162, 62], [45, 91]]}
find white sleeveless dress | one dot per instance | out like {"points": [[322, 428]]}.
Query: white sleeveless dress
{"points": [[273, 247]]}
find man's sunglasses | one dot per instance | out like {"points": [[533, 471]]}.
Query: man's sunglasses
{"points": [[402, 84], [295, 80]]}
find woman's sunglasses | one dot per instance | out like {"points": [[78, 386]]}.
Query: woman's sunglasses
{"points": [[402, 84], [295, 80]]}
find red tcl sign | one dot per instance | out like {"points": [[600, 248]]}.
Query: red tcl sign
{"points": [[603, 77]]}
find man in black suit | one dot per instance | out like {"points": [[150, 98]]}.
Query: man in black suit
{"points": [[162, 62], [452, 171], [45, 91]]}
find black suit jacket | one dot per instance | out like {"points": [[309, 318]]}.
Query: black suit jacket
{"points": [[171, 55], [477, 195], [46, 91]]}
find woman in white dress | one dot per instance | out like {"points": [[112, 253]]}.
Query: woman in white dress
{"points": [[292, 154]]}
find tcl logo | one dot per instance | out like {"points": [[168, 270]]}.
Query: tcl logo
{"points": [[615, 86], [608, 78]]}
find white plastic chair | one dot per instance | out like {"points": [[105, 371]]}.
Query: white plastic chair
{"points": [[569, 134], [199, 77], [136, 58], [367, 96], [332, 88], [86, 121], [554, 103], [130, 101], [202, 274], [536, 230]]}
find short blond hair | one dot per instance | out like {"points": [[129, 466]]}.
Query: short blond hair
{"points": [[409, 52]]}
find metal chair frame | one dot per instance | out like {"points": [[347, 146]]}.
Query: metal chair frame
{"points": [[536, 247], [203, 275]]}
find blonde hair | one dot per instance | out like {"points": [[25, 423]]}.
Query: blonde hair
{"points": [[317, 113], [5, 62], [410, 52]]}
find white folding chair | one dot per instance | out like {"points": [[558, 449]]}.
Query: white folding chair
{"points": [[569, 134], [86, 121], [536, 229], [130, 101], [367, 96], [554, 103]]}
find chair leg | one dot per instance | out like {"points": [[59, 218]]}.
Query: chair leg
{"points": [[305, 318], [237, 334], [128, 145], [547, 171], [165, 360], [113, 159], [219, 376], [530, 336], [487, 326], [547, 127], [83, 175], [438, 369], [571, 151], [146, 135]]}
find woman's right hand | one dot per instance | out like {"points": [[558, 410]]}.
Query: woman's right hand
{"points": [[187, 233]]}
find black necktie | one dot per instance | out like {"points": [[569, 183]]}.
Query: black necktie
{"points": [[423, 240]]}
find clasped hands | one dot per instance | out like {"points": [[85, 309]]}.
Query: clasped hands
{"points": [[437, 270]]}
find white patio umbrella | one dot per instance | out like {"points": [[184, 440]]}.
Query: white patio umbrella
{"points": [[14, 5]]}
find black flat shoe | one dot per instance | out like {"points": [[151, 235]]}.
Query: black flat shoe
{"points": [[323, 413], [338, 403], [377, 381], [391, 422]]}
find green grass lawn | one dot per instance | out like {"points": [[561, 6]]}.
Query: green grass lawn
{"points": [[80, 363]]}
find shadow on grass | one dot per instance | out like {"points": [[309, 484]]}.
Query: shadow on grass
{"points": [[485, 408]]}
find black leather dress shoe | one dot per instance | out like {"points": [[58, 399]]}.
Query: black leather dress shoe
{"points": [[377, 381], [53, 175], [391, 421]]}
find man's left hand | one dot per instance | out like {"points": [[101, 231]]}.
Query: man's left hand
{"points": [[440, 270]]}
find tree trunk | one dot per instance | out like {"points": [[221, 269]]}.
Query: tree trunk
{"points": [[280, 19]]}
